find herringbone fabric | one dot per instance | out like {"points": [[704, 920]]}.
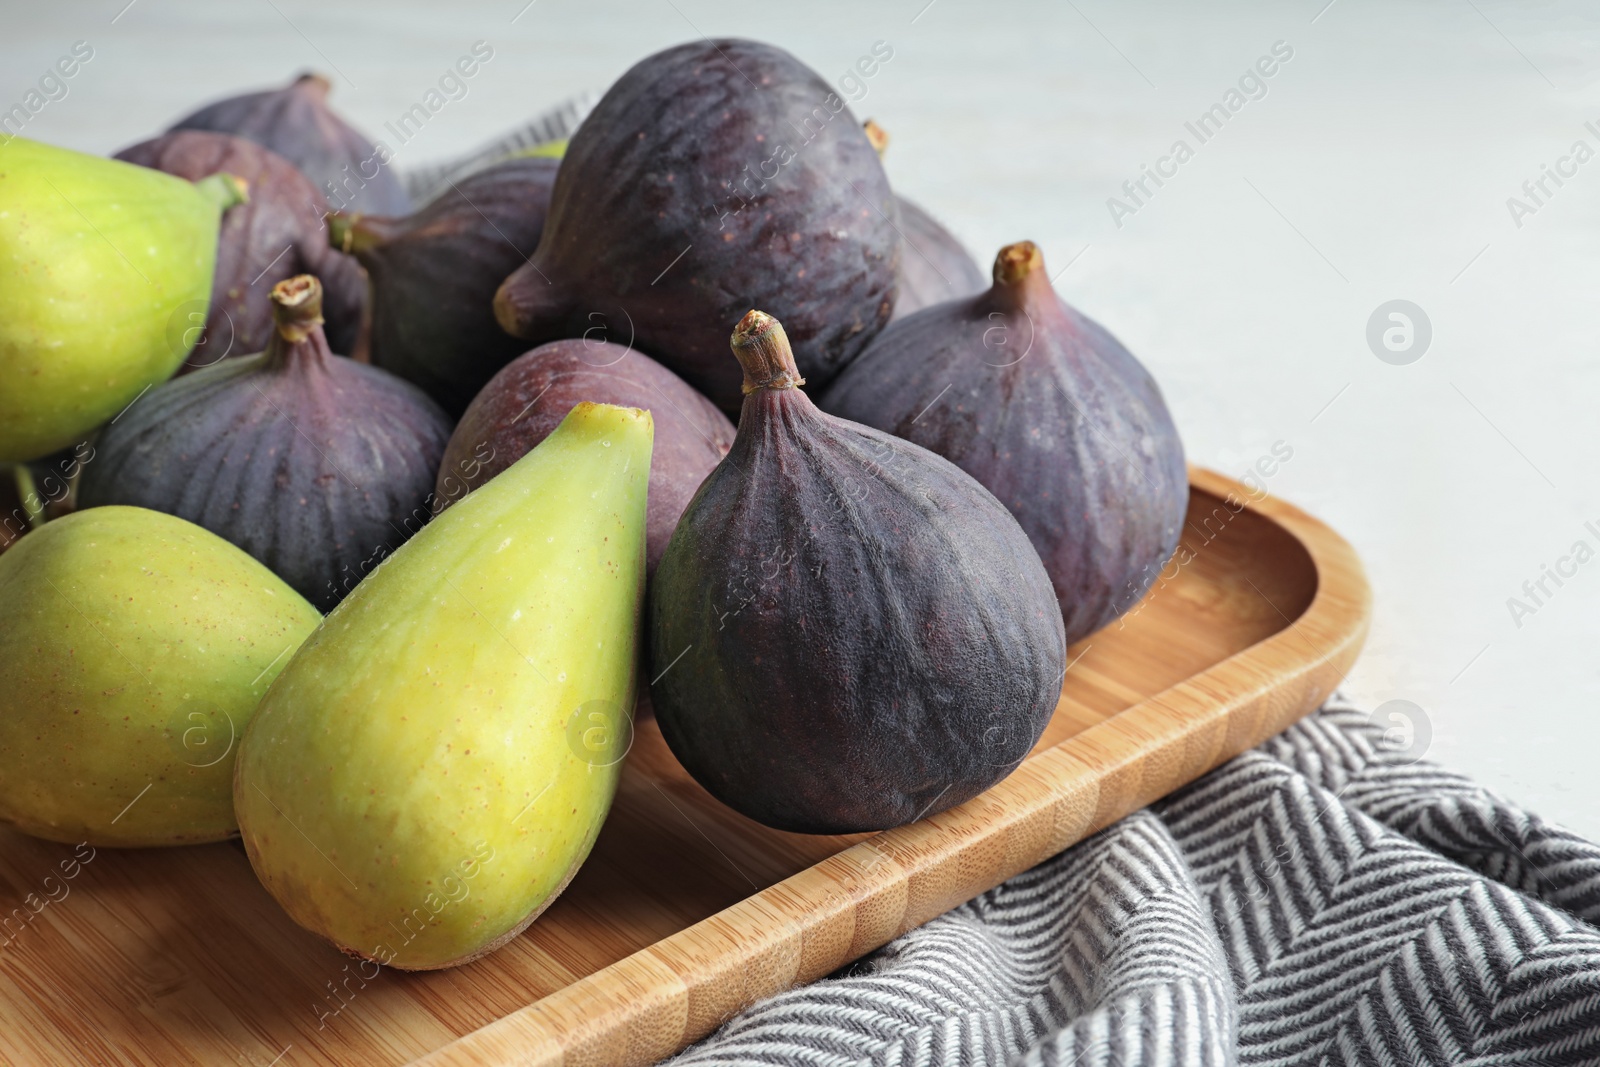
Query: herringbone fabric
{"points": [[1320, 900]]}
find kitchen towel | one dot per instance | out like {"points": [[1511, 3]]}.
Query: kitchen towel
{"points": [[1322, 899]]}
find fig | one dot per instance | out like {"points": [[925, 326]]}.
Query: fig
{"points": [[434, 276], [278, 234], [713, 177], [847, 632], [297, 124], [1052, 414], [528, 399], [934, 265], [315, 464], [135, 648], [452, 737], [100, 264]]}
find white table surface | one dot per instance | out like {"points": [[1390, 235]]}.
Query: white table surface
{"points": [[1377, 167]]}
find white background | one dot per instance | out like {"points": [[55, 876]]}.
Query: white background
{"points": [[1377, 167]]}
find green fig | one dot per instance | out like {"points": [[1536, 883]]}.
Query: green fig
{"points": [[433, 766], [105, 275], [134, 650]]}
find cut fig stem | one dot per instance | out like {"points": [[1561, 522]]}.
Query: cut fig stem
{"points": [[296, 308], [28, 493], [317, 85], [225, 190], [1018, 269], [878, 136], [763, 351]]}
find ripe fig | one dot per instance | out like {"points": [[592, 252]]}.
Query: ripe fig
{"points": [[712, 177], [847, 632], [934, 265], [135, 648], [315, 464], [297, 124], [278, 234], [1049, 411], [100, 263], [527, 400], [434, 275], [434, 764]]}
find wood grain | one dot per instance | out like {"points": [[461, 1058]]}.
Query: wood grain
{"points": [[686, 912]]}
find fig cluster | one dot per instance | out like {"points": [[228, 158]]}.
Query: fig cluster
{"points": [[395, 512]]}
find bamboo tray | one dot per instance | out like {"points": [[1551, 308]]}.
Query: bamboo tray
{"points": [[686, 911]]}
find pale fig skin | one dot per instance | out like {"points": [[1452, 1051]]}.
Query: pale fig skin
{"points": [[135, 649], [1052, 414], [847, 632], [702, 151], [296, 123], [83, 329], [276, 235], [934, 266], [527, 400], [434, 275], [433, 766], [315, 464]]}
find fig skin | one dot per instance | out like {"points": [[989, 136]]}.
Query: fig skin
{"points": [[276, 235], [526, 401], [935, 266], [691, 194], [316, 465], [296, 123], [1052, 414], [434, 276], [847, 632]]}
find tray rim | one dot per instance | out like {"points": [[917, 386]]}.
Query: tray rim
{"points": [[651, 1004]]}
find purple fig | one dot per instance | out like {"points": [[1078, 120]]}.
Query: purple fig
{"points": [[316, 465], [846, 631], [1052, 414], [713, 177]]}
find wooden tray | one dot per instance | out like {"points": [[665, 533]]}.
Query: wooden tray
{"points": [[686, 912]]}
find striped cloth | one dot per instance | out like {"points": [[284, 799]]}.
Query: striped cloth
{"points": [[1323, 899]]}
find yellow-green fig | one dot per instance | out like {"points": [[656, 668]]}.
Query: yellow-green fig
{"points": [[434, 764], [105, 276], [134, 649]]}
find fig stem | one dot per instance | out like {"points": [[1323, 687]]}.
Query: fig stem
{"points": [[28, 493], [297, 307], [763, 351], [1016, 262], [224, 190], [877, 136], [346, 233]]}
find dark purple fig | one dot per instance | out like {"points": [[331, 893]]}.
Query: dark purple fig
{"points": [[316, 465], [276, 235], [297, 124], [434, 275], [528, 399], [847, 632], [1051, 414], [713, 177], [934, 265]]}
